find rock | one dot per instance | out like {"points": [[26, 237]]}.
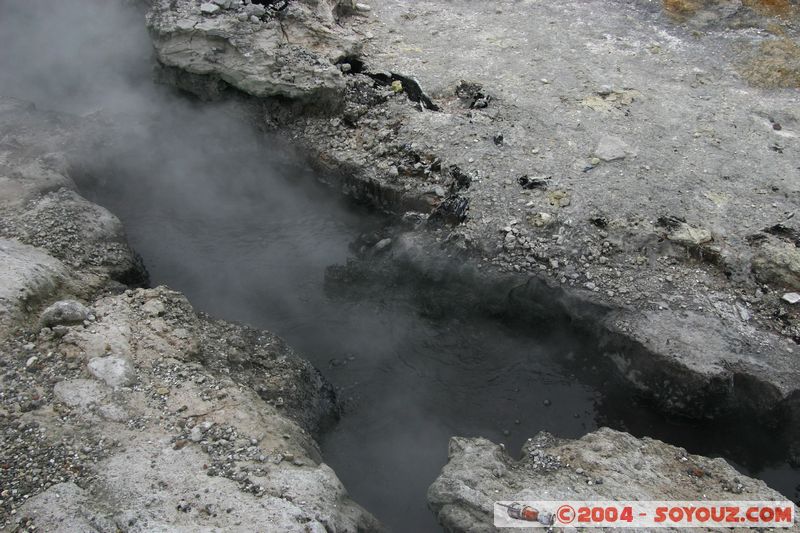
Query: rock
{"points": [[383, 244], [777, 262], [254, 58], [531, 183], [154, 308], [364, 8], [209, 8], [611, 148], [79, 392], [255, 10], [115, 371], [64, 313], [28, 276], [687, 235], [791, 297], [621, 467], [541, 219]]}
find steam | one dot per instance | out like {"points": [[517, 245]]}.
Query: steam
{"points": [[77, 56]]}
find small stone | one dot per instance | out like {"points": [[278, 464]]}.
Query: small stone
{"points": [[209, 8], [547, 403], [162, 391], [791, 298], [363, 8], [579, 471], [31, 361]]}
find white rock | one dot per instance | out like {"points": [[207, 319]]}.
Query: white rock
{"points": [[364, 8], [791, 297]]}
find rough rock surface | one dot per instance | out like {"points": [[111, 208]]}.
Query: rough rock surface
{"points": [[628, 152], [266, 51], [122, 409], [603, 465]]}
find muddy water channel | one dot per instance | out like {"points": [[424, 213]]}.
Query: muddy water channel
{"points": [[221, 215]]}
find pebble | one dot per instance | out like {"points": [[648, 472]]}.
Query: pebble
{"points": [[364, 8]]}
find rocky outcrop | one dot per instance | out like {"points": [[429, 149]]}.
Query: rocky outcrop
{"points": [[604, 465], [276, 50], [124, 409]]}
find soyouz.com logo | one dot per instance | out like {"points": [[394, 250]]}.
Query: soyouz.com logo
{"points": [[647, 514]]}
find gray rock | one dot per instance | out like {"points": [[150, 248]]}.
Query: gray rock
{"points": [[687, 235], [778, 262], [611, 148], [65, 313], [256, 59], [115, 371], [27, 276], [209, 8], [154, 308], [255, 10], [79, 392], [383, 244]]}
